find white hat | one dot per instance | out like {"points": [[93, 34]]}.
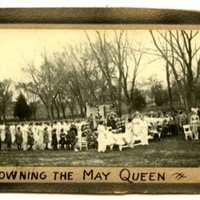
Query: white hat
{"points": [[137, 113], [194, 110]]}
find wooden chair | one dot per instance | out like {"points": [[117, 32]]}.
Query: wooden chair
{"points": [[187, 132], [82, 143]]}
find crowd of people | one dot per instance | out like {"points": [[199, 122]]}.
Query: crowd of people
{"points": [[111, 132]]}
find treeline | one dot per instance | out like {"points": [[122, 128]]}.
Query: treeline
{"points": [[101, 71], [105, 69]]}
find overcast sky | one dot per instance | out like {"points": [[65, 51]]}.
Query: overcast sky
{"points": [[19, 46]]}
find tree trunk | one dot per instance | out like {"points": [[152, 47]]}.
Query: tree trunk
{"points": [[130, 108], [57, 109], [72, 111], [52, 111], [193, 96], [63, 110], [81, 110], [62, 106], [48, 109], [169, 87], [119, 109], [187, 107], [34, 115], [4, 115]]}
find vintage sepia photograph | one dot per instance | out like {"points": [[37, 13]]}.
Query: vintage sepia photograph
{"points": [[100, 97]]}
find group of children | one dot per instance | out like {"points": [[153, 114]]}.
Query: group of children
{"points": [[33, 136]]}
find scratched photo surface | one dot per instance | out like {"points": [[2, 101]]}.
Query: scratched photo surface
{"points": [[99, 98]]}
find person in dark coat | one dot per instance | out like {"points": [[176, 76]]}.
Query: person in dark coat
{"points": [[19, 138], [54, 142], [30, 141], [109, 121], [71, 137], [8, 138], [62, 141], [113, 123], [46, 137]]}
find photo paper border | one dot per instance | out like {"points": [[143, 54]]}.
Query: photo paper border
{"points": [[101, 18]]}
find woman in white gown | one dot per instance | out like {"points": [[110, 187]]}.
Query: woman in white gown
{"points": [[101, 139], [194, 123], [24, 130], [129, 133], [144, 131], [2, 133], [136, 128], [110, 140], [13, 132]]}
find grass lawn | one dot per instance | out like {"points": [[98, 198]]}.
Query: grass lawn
{"points": [[172, 151]]}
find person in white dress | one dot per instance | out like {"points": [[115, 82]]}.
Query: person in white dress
{"points": [[129, 133], [35, 135], [49, 129], [40, 144], [110, 138], [101, 139], [194, 123], [13, 132], [136, 128], [24, 130], [144, 131], [2, 134]]}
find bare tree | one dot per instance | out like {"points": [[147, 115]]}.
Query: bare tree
{"points": [[182, 55], [5, 96], [44, 83], [119, 64], [71, 86], [127, 60], [82, 61], [100, 52]]}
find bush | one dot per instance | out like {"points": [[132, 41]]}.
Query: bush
{"points": [[138, 100], [22, 109]]}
